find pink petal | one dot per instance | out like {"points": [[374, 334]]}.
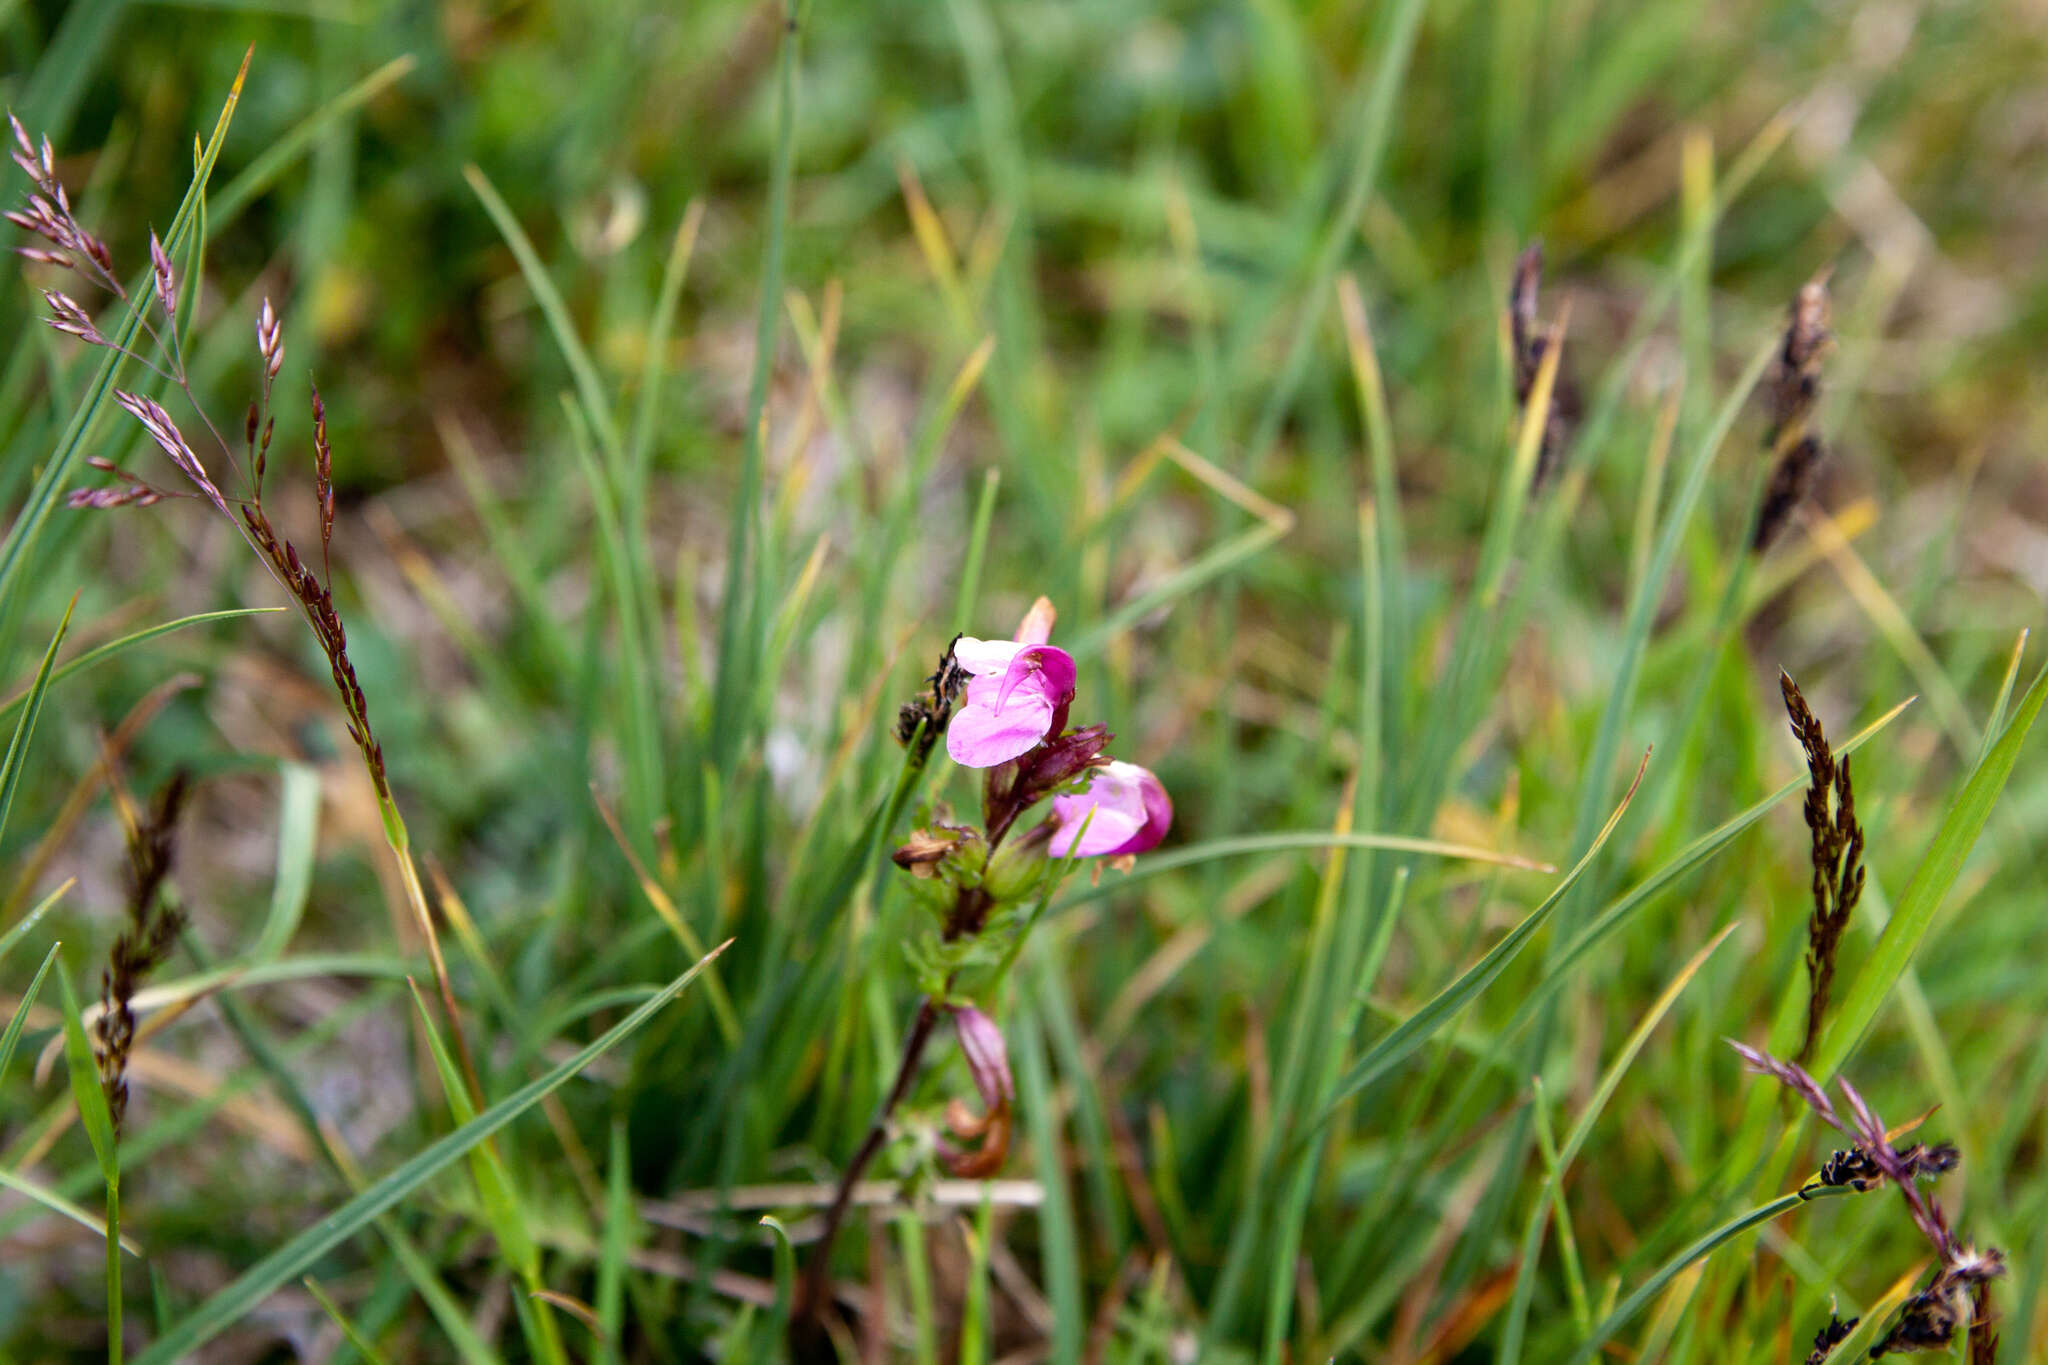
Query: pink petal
{"points": [[983, 734], [1041, 669], [1130, 814], [981, 657]]}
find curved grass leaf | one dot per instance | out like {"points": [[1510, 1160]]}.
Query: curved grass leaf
{"points": [[1697, 1251], [295, 1257], [62, 1207], [1610, 919], [1153, 865], [12, 1037], [33, 918], [85, 1084], [24, 729], [96, 654]]}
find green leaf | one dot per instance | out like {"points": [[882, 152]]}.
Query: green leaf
{"points": [[112, 647], [298, 835], [59, 1205], [1914, 913], [85, 1084], [1412, 1032], [354, 1334], [24, 729], [293, 1258], [1532, 1236], [493, 1181], [1698, 1250], [12, 1037], [31, 919]]}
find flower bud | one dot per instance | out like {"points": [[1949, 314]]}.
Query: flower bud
{"points": [[1018, 867]]}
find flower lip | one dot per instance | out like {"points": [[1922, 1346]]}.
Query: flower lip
{"points": [[1016, 694], [1124, 810]]}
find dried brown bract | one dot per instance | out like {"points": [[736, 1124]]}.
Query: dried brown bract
{"points": [[1530, 343], [923, 718], [1837, 844], [1791, 393], [144, 944]]}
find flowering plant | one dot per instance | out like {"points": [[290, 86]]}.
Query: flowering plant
{"points": [[1003, 707]]}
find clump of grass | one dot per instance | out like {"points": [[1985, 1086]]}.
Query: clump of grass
{"points": [[1837, 843], [1958, 1296], [1792, 391], [144, 945]]}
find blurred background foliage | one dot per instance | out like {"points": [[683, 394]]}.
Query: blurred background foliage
{"points": [[1146, 203]]}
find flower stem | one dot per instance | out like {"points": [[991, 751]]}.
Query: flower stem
{"points": [[808, 1314], [400, 840], [114, 1265]]}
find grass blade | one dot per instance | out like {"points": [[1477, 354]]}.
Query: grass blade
{"points": [[24, 729], [1420, 1026], [294, 1257], [112, 647], [1696, 1251], [12, 1037], [1532, 1237], [31, 919], [298, 838]]}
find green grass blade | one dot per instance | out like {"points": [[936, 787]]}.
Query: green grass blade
{"points": [[1995, 725], [31, 919], [293, 1258], [736, 625], [590, 391], [284, 152], [659, 327], [1914, 913], [24, 729], [977, 544], [59, 1205], [298, 837], [85, 1084], [1532, 1236], [10, 1039], [1154, 865], [1377, 120], [1603, 925], [1412, 1032], [112, 647], [1697, 1250], [617, 1242], [1061, 1244], [348, 1328]]}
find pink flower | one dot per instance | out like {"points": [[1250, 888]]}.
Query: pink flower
{"points": [[1125, 810], [1017, 693]]}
